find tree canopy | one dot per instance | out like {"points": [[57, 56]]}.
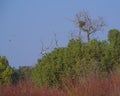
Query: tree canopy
{"points": [[6, 71], [79, 59]]}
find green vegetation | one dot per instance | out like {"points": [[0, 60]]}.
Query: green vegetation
{"points": [[6, 71], [9, 75], [79, 59]]}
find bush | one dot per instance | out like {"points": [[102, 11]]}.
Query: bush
{"points": [[78, 59]]}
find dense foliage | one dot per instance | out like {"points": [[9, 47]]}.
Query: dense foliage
{"points": [[9, 75], [6, 71], [79, 59]]}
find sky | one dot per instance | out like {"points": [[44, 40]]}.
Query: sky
{"points": [[27, 26]]}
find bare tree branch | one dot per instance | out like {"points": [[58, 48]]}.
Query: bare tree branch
{"points": [[44, 50], [87, 24]]}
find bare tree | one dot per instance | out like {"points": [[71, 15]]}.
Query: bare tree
{"points": [[87, 24], [44, 50]]}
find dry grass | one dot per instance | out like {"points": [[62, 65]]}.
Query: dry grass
{"points": [[27, 88], [92, 86]]}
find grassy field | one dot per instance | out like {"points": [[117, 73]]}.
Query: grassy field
{"points": [[92, 86]]}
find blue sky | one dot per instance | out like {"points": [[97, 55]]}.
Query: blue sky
{"points": [[24, 24]]}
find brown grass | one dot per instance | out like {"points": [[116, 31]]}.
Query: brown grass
{"points": [[92, 86], [27, 88]]}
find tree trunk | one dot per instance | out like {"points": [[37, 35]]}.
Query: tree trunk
{"points": [[88, 37]]}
